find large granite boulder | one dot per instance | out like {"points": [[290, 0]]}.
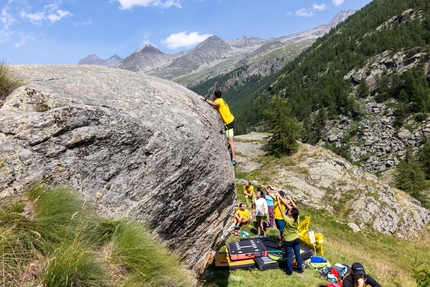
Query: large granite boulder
{"points": [[134, 145]]}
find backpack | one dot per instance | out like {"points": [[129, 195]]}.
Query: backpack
{"points": [[318, 262], [342, 269]]}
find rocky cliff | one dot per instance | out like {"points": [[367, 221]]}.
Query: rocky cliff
{"points": [[374, 141], [133, 145]]}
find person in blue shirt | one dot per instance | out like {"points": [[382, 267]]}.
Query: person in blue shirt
{"points": [[270, 199]]}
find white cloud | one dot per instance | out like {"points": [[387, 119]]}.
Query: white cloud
{"points": [[183, 39], [337, 2], [86, 23], [50, 12], [319, 7], [146, 40], [128, 4], [6, 18], [304, 12], [5, 35], [35, 18], [310, 12], [58, 15], [23, 39]]}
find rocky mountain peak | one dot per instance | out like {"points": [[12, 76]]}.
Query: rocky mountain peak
{"points": [[215, 56], [246, 42], [213, 43], [149, 49], [145, 58], [92, 59], [340, 17], [95, 60]]}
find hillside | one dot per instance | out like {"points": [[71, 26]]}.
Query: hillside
{"points": [[92, 251], [327, 188], [360, 90]]}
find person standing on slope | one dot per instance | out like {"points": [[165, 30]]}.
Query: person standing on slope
{"points": [[261, 213], [249, 192], [291, 235], [227, 118]]}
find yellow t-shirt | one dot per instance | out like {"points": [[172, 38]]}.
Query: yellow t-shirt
{"points": [[224, 111], [276, 212], [250, 189], [243, 213]]}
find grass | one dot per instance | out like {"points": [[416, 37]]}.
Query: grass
{"points": [[387, 259], [391, 261], [8, 82], [50, 236]]}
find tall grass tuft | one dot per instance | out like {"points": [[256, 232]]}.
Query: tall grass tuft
{"points": [[50, 237], [148, 263], [74, 265], [61, 215], [7, 82]]}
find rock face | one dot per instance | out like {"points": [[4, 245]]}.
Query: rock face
{"points": [[373, 141], [133, 145], [376, 143], [319, 178]]}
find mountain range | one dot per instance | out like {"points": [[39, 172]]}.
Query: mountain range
{"points": [[214, 56], [95, 60]]}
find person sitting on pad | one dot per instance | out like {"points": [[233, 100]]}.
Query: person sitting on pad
{"points": [[241, 217]]}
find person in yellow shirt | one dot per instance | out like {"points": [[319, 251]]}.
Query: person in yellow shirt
{"points": [[279, 217], [249, 192], [227, 118], [241, 217]]}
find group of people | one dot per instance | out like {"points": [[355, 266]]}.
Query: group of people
{"points": [[274, 207]]}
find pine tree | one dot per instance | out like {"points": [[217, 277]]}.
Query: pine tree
{"points": [[424, 159], [284, 129], [410, 176], [363, 89]]}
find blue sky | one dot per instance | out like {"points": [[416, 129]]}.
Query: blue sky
{"points": [[65, 31]]}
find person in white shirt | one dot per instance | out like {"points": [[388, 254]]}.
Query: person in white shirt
{"points": [[261, 213]]}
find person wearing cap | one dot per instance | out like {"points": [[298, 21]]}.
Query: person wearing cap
{"points": [[358, 277]]}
